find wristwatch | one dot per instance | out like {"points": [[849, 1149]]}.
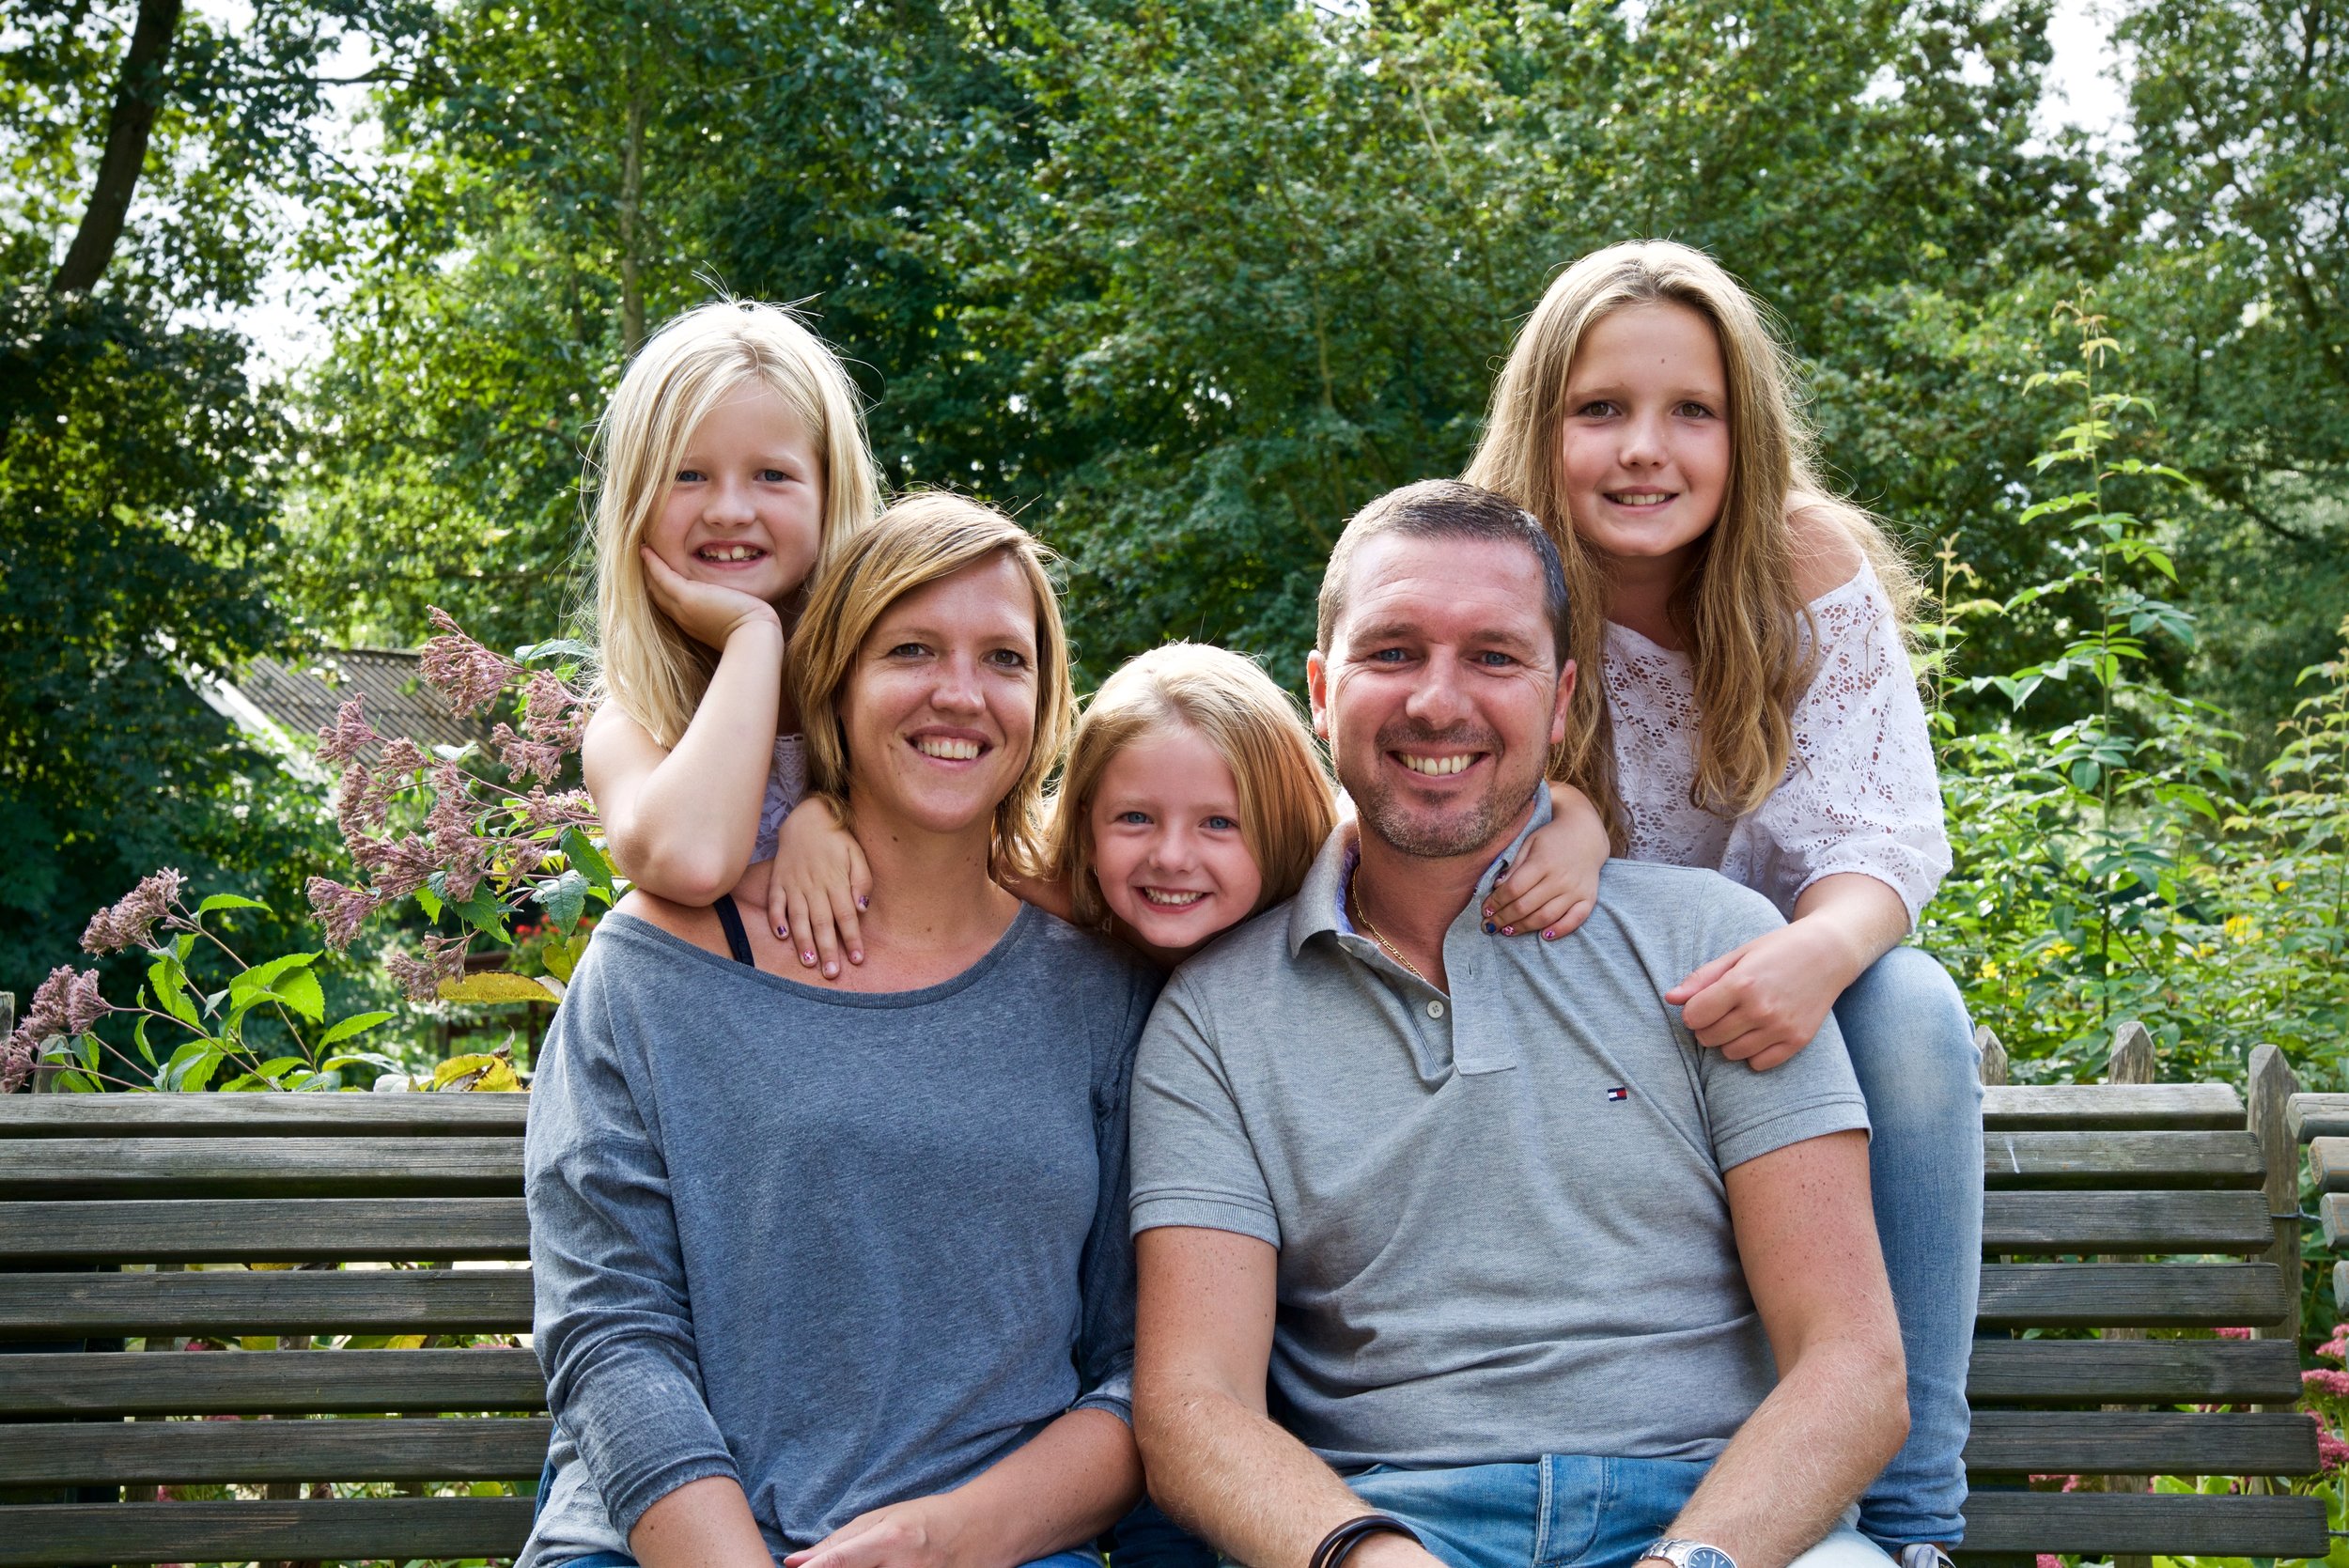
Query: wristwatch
{"points": [[1688, 1554]]}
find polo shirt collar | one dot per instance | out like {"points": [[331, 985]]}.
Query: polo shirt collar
{"points": [[1317, 906]]}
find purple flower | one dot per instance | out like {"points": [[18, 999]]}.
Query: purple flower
{"points": [[16, 1064], [402, 866], [361, 804], [403, 755], [347, 734], [443, 959], [552, 712], [131, 920], [66, 1003], [570, 809], [529, 759], [340, 909], [469, 676]]}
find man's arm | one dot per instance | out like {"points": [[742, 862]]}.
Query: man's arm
{"points": [[1840, 1409], [1215, 1461]]}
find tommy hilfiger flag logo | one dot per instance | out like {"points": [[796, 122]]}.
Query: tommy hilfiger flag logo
{"points": [[1618, 1094]]}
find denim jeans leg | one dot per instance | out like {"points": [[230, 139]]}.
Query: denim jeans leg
{"points": [[1470, 1516], [1912, 1046]]}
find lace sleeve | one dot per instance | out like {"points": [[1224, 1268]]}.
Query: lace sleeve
{"points": [[1861, 792]]}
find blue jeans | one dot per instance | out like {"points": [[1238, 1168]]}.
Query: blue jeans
{"points": [[1913, 1049], [1563, 1510], [1076, 1556]]}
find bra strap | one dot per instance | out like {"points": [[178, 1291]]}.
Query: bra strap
{"points": [[738, 939]]}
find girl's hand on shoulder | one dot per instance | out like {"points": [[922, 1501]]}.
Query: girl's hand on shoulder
{"points": [[1762, 1003], [919, 1532], [818, 881], [706, 611], [1553, 887]]}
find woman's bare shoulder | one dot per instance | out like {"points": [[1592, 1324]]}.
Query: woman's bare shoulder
{"points": [[1822, 534]]}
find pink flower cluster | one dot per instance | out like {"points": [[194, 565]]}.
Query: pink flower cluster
{"points": [[467, 832], [131, 920], [67, 1004]]}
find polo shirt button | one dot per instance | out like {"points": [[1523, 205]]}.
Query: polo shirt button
{"points": [[1434, 1009]]}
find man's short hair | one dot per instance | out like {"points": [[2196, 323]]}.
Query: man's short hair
{"points": [[1446, 509]]}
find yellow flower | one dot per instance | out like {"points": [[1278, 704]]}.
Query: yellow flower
{"points": [[2241, 928], [1989, 970]]}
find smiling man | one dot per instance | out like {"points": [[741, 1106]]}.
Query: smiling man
{"points": [[1461, 1250]]}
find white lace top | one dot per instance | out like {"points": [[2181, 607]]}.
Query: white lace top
{"points": [[1860, 792], [786, 786]]}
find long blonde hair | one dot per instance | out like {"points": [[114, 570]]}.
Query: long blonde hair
{"points": [[645, 663], [1287, 807], [924, 538], [1740, 609]]}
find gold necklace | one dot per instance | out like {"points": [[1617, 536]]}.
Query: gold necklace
{"points": [[1379, 936]]}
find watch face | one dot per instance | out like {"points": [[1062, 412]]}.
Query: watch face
{"points": [[1709, 1557]]}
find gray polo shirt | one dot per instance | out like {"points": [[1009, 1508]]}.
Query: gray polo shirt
{"points": [[1501, 1223]]}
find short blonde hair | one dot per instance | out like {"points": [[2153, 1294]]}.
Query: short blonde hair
{"points": [[1740, 609], [924, 539], [1286, 805], [645, 663]]}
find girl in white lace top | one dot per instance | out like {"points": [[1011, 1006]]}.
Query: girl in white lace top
{"points": [[1754, 711]]}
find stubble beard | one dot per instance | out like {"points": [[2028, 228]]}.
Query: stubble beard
{"points": [[1433, 837]]}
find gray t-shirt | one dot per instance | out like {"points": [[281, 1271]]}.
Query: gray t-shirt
{"points": [[845, 1248], [1502, 1223]]}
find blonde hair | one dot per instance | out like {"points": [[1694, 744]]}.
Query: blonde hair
{"points": [[645, 663], [924, 539], [1740, 609], [1285, 804]]}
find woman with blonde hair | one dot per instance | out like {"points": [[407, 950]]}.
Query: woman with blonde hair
{"points": [[733, 468], [1755, 713], [837, 1274]]}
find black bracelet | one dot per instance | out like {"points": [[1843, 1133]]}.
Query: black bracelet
{"points": [[1339, 1544]]}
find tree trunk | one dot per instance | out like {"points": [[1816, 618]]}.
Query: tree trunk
{"points": [[138, 98]]}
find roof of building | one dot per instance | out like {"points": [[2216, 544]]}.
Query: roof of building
{"points": [[304, 698]]}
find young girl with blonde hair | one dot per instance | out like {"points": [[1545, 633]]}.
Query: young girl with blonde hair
{"points": [[733, 468], [1755, 713], [1192, 799]]}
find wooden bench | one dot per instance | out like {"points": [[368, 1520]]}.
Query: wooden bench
{"points": [[108, 1203], [109, 1207]]}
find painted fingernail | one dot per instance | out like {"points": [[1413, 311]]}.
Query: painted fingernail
{"points": [[830, 970], [807, 957], [862, 901], [1508, 930], [1488, 929], [783, 934], [857, 956], [1550, 936]]}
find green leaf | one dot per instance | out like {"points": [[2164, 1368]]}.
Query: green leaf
{"points": [[228, 900], [358, 1023], [588, 859], [264, 977], [559, 958], [169, 982], [564, 898], [431, 902], [500, 986], [300, 991]]}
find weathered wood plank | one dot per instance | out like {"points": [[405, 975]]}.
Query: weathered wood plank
{"points": [[2143, 1372], [119, 1453], [2113, 1107], [394, 1528], [239, 1383], [2167, 1523], [2146, 1295], [263, 1115], [52, 1168], [2099, 1442], [293, 1230], [2121, 1159], [397, 1301], [2313, 1115], [2135, 1222], [2329, 1164]]}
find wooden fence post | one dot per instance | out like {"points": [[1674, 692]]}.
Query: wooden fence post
{"points": [[1993, 1057], [2131, 1062], [2272, 1085]]}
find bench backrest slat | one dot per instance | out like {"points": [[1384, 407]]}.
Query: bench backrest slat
{"points": [[371, 1301], [52, 1454], [241, 1383], [288, 1230]]}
